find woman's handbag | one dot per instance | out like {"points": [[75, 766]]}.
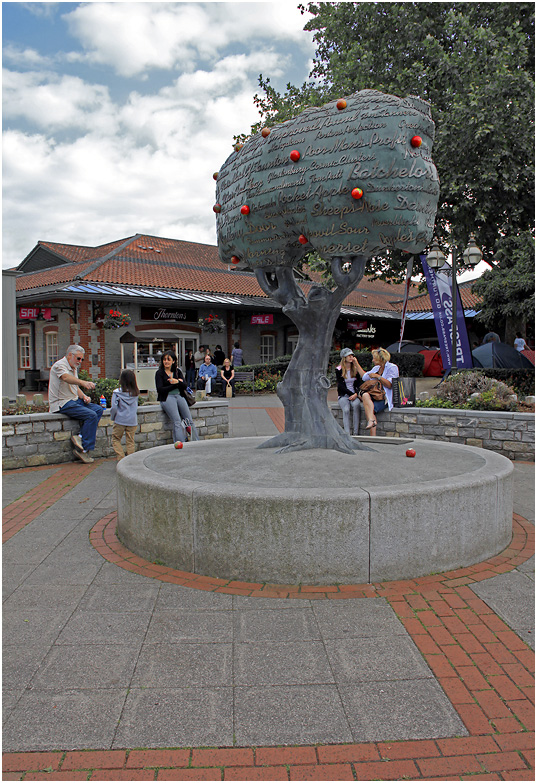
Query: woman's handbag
{"points": [[374, 388], [189, 396], [229, 390]]}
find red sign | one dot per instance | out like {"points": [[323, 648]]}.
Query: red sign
{"points": [[28, 313], [261, 320], [31, 313]]}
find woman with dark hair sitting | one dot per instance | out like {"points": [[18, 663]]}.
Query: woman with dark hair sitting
{"points": [[171, 386]]}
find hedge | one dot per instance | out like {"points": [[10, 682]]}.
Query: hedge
{"points": [[410, 364]]}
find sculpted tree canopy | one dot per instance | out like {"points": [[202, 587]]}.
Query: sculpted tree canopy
{"points": [[475, 64], [346, 180]]}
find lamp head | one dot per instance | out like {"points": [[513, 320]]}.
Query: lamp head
{"points": [[435, 258], [472, 255]]}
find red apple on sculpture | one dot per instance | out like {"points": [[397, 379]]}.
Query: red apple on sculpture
{"points": [[410, 453], [178, 444]]}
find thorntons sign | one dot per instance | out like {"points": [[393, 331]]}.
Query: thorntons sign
{"points": [[166, 314]]}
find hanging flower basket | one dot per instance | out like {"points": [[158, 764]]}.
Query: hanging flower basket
{"points": [[114, 319], [212, 323]]}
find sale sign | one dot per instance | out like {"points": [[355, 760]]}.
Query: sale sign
{"points": [[28, 313], [31, 313], [262, 320]]}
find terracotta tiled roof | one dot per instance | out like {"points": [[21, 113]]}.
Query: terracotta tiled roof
{"points": [[144, 260], [422, 303]]}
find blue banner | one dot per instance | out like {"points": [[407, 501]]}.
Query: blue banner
{"points": [[439, 287]]}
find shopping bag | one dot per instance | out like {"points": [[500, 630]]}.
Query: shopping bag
{"points": [[229, 390], [404, 392]]}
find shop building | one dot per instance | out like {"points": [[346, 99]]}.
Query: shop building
{"points": [[171, 294]]}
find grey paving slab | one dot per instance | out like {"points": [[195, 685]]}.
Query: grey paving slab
{"points": [[281, 663], [66, 719], [50, 572], [20, 662], [87, 666], [185, 665], [111, 574], [186, 598], [248, 422], [13, 574], [45, 597], [9, 702], [277, 625], [15, 483], [290, 715], [243, 603], [24, 626], [29, 546], [126, 598], [154, 718], [180, 626], [528, 568], [357, 618], [84, 628], [400, 710], [512, 597], [381, 658]]}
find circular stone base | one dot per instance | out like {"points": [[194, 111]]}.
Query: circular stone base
{"points": [[226, 509]]}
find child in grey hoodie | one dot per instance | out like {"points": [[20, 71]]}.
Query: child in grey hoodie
{"points": [[124, 413]]}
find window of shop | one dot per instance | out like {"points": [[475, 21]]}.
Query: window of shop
{"points": [[267, 348], [24, 351], [51, 348]]}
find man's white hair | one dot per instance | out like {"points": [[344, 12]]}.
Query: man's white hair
{"points": [[75, 349]]}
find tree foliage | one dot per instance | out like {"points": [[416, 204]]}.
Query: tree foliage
{"points": [[508, 289], [474, 62]]}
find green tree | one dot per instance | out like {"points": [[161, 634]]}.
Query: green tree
{"points": [[474, 62], [508, 289]]}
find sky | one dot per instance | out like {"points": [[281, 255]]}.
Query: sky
{"points": [[116, 115]]}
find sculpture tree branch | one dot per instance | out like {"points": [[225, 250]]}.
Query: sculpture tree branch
{"points": [[347, 279]]}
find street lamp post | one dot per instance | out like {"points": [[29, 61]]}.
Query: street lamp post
{"points": [[436, 260]]}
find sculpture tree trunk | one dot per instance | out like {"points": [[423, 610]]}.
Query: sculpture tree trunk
{"points": [[309, 422]]}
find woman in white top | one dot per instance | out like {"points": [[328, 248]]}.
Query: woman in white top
{"points": [[385, 372]]}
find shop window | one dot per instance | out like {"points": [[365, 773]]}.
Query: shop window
{"points": [[268, 345], [24, 351], [51, 348]]}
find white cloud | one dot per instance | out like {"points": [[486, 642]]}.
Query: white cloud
{"points": [[135, 37], [49, 101], [94, 169], [24, 58]]}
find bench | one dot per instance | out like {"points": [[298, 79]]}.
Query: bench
{"points": [[246, 376]]}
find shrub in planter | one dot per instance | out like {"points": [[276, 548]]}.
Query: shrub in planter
{"points": [[458, 389], [102, 386]]}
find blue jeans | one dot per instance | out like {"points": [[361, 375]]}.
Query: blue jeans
{"points": [[345, 404], [190, 378], [176, 409], [89, 414]]}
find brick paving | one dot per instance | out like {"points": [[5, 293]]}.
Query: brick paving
{"points": [[483, 667]]}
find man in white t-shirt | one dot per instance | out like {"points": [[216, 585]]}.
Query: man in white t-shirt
{"points": [[65, 395]]}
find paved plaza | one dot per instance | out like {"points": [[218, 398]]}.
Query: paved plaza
{"points": [[120, 669]]}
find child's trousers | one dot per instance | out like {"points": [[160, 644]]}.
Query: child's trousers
{"points": [[117, 434]]}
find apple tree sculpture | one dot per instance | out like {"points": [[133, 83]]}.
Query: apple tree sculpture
{"points": [[347, 180]]}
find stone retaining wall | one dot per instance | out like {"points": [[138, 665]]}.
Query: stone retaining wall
{"points": [[44, 438], [510, 434]]}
